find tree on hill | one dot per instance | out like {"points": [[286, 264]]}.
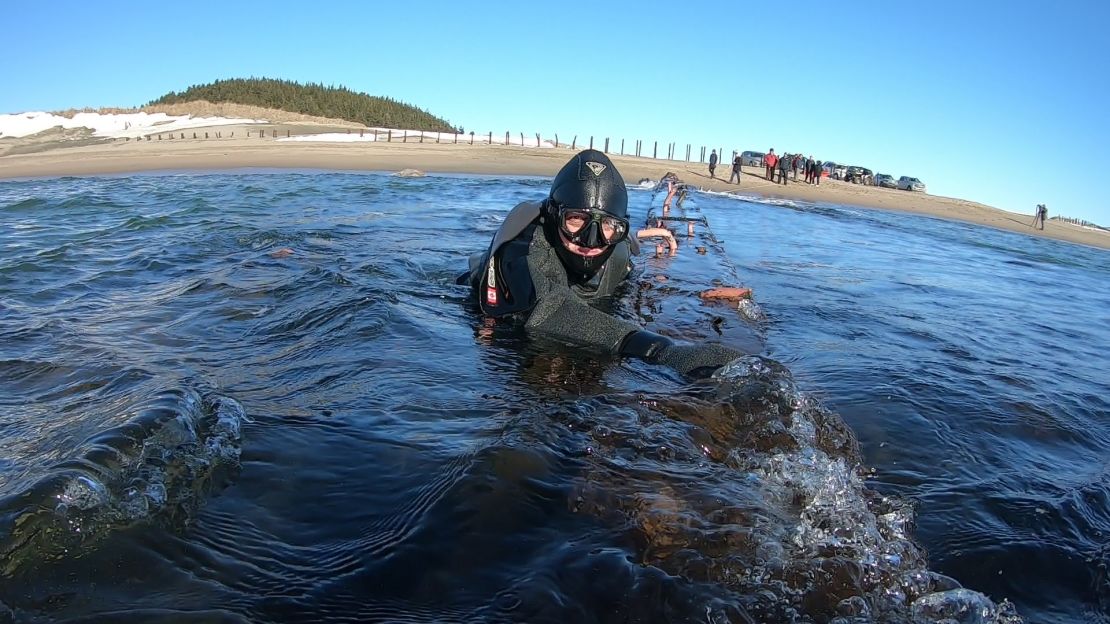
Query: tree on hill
{"points": [[313, 99]]}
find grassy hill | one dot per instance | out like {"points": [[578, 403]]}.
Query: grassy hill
{"points": [[311, 99]]}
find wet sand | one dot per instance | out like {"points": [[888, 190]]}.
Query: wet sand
{"points": [[75, 158]]}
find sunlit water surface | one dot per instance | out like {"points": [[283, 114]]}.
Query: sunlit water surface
{"points": [[260, 397]]}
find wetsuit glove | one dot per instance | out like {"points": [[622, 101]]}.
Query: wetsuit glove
{"points": [[692, 360]]}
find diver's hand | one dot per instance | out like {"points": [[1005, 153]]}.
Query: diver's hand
{"points": [[697, 360], [692, 360]]}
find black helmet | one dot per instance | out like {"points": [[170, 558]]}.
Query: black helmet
{"points": [[588, 185]]}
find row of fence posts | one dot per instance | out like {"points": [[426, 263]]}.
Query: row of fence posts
{"points": [[489, 139]]}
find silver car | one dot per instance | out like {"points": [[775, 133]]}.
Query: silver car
{"points": [[836, 172], [752, 159], [884, 180], [907, 183]]}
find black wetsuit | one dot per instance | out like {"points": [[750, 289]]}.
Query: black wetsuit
{"points": [[530, 283]]}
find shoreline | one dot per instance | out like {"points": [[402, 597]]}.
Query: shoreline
{"points": [[57, 159]]}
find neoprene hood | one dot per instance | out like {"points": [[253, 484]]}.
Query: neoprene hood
{"points": [[588, 181]]}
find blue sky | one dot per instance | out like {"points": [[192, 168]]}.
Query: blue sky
{"points": [[999, 102]]}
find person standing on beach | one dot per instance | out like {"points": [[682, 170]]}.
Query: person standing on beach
{"points": [[784, 168], [554, 264], [817, 166], [771, 160], [737, 161], [794, 164], [712, 164], [1040, 216]]}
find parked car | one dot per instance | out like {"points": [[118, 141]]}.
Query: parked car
{"points": [[752, 159], [836, 172], [885, 181], [858, 175], [907, 183]]}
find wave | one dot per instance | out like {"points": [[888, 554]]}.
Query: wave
{"points": [[779, 514], [160, 466]]}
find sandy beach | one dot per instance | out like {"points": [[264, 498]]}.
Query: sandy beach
{"points": [[64, 156]]}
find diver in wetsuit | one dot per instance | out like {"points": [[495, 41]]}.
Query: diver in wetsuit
{"points": [[550, 260]]}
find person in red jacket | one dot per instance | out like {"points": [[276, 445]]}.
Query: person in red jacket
{"points": [[771, 160]]}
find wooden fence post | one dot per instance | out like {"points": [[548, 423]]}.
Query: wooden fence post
{"points": [[556, 139], [655, 150], [622, 147], [537, 139], [591, 141], [405, 136], [687, 152], [456, 138], [389, 135], [574, 142], [522, 140], [606, 150], [506, 137], [421, 136], [489, 139]]}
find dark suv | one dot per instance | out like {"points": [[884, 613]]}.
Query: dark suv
{"points": [[858, 175]]}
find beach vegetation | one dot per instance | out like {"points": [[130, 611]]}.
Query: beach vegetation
{"points": [[312, 99]]}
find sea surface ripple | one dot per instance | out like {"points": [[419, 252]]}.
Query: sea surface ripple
{"points": [[259, 396]]}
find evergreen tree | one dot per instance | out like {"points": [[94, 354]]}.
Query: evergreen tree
{"points": [[312, 99]]}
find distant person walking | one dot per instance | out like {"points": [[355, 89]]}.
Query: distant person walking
{"points": [[712, 165], [736, 162], [794, 164], [770, 161]]}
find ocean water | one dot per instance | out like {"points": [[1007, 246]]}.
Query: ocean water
{"points": [[260, 397]]}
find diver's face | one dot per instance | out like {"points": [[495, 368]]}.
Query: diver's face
{"points": [[585, 252], [574, 223]]}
